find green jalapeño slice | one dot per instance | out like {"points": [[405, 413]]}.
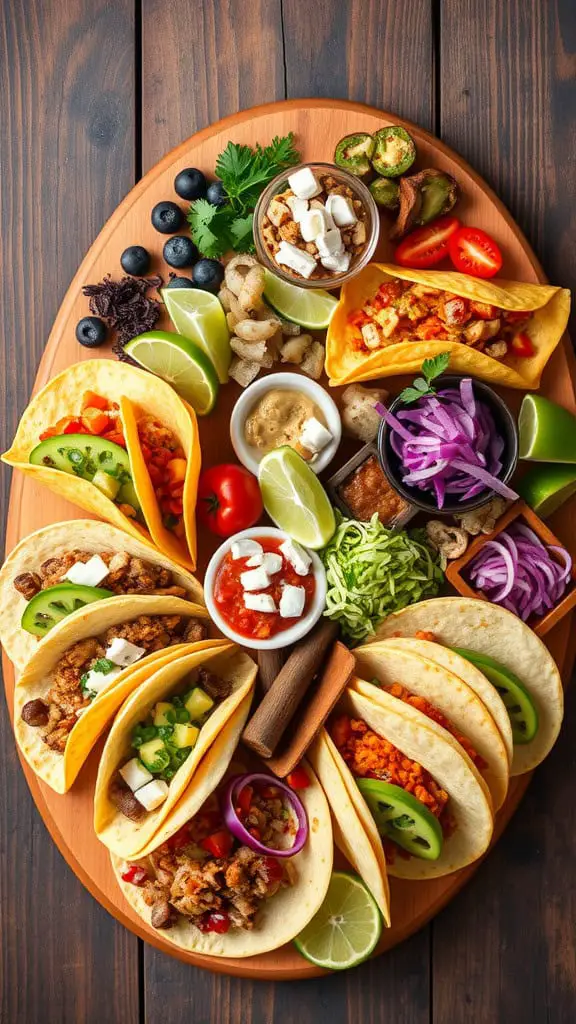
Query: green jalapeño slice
{"points": [[399, 816], [89, 457], [517, 701], [50, 606]]}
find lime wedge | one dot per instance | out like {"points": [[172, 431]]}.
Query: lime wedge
{"points": [[310, 308], [346, 929], [547, 431], [181, 363], [295, 499], [199, 316], [546, 487]]}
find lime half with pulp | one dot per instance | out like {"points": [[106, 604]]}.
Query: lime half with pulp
{"points": [[547, 431], [546, 487], [346, 929], [179, 362], [199, 316], [309, 308], [295, 499]]}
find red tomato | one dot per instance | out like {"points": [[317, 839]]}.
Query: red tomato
{"points": [[274, 869], [298, 779], [218, 844], [244, 800], [214, 922], [428, 245], [229, 499], [522, 345], [135, 875], [473, 252]]}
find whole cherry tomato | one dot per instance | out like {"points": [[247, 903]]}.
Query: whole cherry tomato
{"points": [[229, 499]]}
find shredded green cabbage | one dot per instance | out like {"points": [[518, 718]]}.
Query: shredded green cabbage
{"points": [[373, 571]]}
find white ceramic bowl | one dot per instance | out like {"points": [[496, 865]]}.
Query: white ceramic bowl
{"points": [[287, 636], [250, 456]]}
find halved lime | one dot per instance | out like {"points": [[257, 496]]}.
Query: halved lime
{"points": [[295, 499], [198, 315], [181, 363], [546, 487], [547, 431], [346, 929], [310, 308]]}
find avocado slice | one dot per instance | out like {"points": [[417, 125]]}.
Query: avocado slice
{"points": [[395, 151], [386, 192], [439, 192], [354, 153]]}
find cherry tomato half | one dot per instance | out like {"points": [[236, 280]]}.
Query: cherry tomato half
{"points": [[229, 499], [474, 252], [522, 345], [428, 245]]}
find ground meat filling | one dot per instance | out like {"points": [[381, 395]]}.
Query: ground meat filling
{"points": [[399, 691], [127, 574], [215, 686], [65, 699]]}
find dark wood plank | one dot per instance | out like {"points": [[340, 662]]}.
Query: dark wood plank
{"points": [[67, 156], [504, 949]]}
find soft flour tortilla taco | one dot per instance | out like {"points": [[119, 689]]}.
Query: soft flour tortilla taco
{"points": [[209, 892], [389, 319], [507, 652], [120, 443], [431, 807], [159, 737], [81, 674], [445, 700], [36, 581]]}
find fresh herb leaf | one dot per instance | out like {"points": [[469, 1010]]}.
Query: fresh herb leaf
{"points": [[422, 386], [432, 368], [103, 665], [242, 233]]}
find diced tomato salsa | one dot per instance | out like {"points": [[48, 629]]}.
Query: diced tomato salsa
{"points": [[98, 416], [229, 594], [166, 464]]}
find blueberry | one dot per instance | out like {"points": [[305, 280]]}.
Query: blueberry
{"points": [[208, 274], [135, 260], [180, 251], [190, 183], [179, 282], [216, 194], [167, 217], [91, 331]]}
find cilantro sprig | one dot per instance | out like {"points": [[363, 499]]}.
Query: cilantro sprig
{"points": [[422, 386], [244, 172]]}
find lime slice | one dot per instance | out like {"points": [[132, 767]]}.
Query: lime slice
{"points": [[181, 363], [547, 431], [546, 487], [310, 308], [199, 316], [347, 927], [295, 499]]}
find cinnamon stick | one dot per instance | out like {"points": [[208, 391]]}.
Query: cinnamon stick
{"points": [[269, 663]]}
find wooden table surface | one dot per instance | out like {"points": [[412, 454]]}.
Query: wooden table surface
{"points": [[92, 94]]}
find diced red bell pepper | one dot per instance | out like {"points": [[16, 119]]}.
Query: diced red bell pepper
{"points": [[522, 345], [298, 779], [116, 438], [96, 421], [244, 800], [93, 401], [358, 318], [135, 875], [218, 844]]}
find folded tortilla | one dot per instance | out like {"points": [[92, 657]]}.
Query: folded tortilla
{"points": [[137, 392], [489, 629], [53, 541], [284, 915], [345, 364], [59, 770]]}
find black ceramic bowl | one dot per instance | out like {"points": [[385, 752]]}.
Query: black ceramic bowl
{"points": [[505, 425]]}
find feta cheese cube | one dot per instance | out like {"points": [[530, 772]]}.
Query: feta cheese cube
{"points": [[341, 209], [255, 579], [260, 602], [315, 436], [338, 262], [153, 794], [298, 557], [298, 207], [304, 184], [312, 224], [135, 774], [272, 562], [317, 204], [246, 548], [329, 242], [255, 560], [123, 653], [297, 259], [88, 574], [292, 601], [95, 682]]}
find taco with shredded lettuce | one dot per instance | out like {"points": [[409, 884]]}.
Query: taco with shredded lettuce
{"points": [[121, 444], [85, 669], [389, 319], [66, 566]]}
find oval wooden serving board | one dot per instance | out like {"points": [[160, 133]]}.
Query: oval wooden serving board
{"points": [[318, 125]]}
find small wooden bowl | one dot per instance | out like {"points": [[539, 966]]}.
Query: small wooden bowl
{"points": [[519, 510]]}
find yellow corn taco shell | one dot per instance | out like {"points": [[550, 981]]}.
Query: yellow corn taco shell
{"points": [[488, 629], [60, 770], [141, 391], [131, 838], [283, 916], [53, 541], [345, 364], [446, 692]]}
